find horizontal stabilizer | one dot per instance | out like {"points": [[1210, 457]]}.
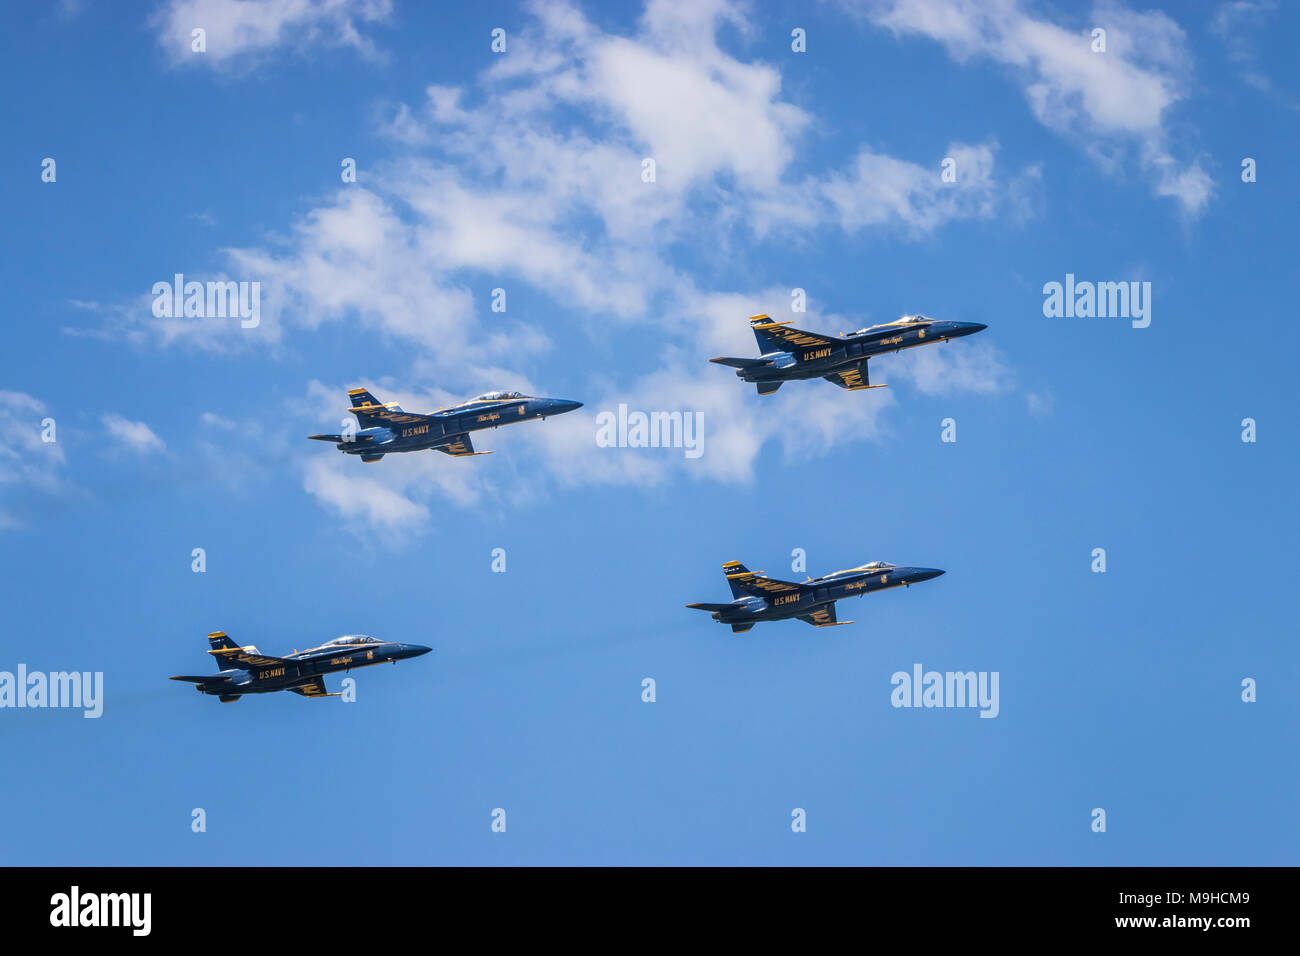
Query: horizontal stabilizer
{"points": [[741, 362], [740, 628], [767, 388]]}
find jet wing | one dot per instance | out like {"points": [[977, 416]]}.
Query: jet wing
{"points": [[459, 446], [824, 616], [752, 579], [391, 413], [245, 657], [792, 336], [853, 377], [314, 689]]}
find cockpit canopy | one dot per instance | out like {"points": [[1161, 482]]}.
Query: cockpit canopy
{"points": [[352, 639], [497, 396], [917, 319], [873, 566]]}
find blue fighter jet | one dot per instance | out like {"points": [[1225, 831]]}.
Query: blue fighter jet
{"points": [[791, 354], [759, 598], [385, 428], [243, 670]]}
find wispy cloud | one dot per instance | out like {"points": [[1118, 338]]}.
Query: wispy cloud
{"points": [[535, 174], [1109, 103], [242, 33], [1238, 25], [137, 436], [1040, 403], [213, 420], [27, 462]]}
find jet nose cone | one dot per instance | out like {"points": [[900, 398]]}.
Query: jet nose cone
{"points": [[563, 405], [415, 650], [926, 574], [970, 328]]}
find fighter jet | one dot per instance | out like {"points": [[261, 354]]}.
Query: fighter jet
{"points": [[759, 598], [790, 353], [385, 428], [243, 670]]}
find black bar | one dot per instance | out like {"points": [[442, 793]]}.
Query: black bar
{"points": [[327, 906]]}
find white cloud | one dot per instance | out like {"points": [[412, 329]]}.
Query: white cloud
{"points": [[244, 31], [803, 419], [539, 180], [213, 420], [27, 463], [395, 495], [877, 191], [532, 176], [965, 366], [391, 495], [136, 436], [1108, 103], [1040, 403], [366, 501], [1238, 23]]}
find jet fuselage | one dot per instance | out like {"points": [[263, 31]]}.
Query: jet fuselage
{"points": [[263, 674], [780, 606], [819, 360]]}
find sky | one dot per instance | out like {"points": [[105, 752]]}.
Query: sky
{"points": [[834, 165]]}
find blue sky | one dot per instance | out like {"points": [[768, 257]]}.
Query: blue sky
{"points": [[775, 170]]}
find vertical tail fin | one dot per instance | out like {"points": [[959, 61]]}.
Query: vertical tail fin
{"points": [[767, 342], [363, 403], [219, 639], [220, 642], [736, 572], [360, 397]]}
